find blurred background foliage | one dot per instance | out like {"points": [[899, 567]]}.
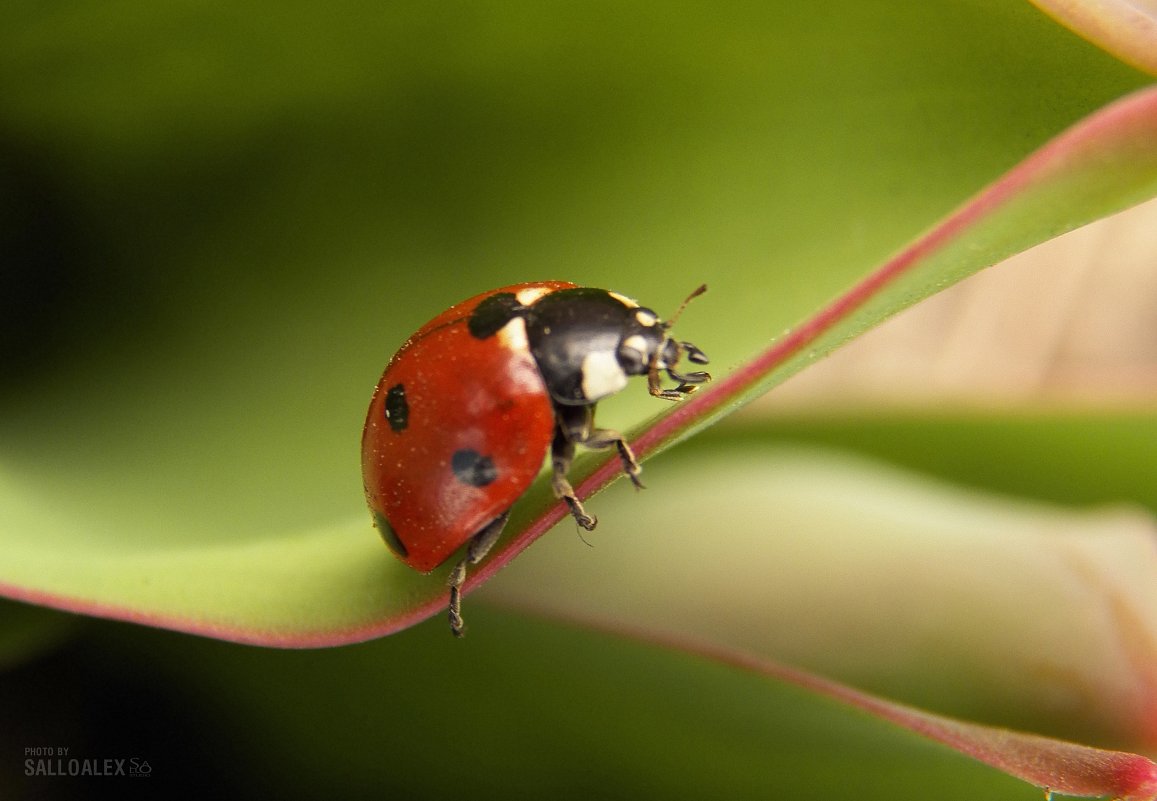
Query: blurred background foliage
{"points": [[218, 221], [225, 217]]}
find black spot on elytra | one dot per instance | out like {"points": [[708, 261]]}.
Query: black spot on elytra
{"points": [[471, 467], [491, 314], [389, 535], [397, 409]]}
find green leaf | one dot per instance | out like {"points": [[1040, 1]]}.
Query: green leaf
{"points": [[244, 228]]}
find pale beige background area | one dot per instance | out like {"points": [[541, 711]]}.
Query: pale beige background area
{"points": [[1072, 322]]}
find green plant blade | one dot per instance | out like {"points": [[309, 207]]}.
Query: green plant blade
{"points": [[1104, 163], [259, 228]]}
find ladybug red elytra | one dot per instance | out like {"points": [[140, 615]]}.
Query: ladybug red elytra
{"points": [[468, 408]]}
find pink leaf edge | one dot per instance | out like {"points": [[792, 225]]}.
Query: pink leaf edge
{"points": [[1055, 766]]}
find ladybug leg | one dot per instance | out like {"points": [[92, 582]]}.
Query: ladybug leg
{"points": [[561, 455], [577, 424], [655, 387], [687, 384], [480, 545], [600, 438]]}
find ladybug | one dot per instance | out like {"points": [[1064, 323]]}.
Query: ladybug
{"points": [[468, 408]]}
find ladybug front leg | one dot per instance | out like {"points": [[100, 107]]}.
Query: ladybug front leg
{"points": [[604, 438], [480, 545]]}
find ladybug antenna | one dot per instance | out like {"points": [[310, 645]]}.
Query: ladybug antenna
{"points": [[702, 288]]}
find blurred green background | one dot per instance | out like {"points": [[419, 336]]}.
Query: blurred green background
{"points": [[219, 220], [224, 218]]}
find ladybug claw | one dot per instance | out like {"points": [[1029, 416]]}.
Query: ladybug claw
{"points": [[632, 472], [579, 514]]}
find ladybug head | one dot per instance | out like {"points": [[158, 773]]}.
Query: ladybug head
{"points": [[666, 353], [666, 359]]}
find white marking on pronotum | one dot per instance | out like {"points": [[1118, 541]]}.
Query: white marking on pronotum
{"points": [[513, 335], [529, 295], [602, 375], [623, 299]]}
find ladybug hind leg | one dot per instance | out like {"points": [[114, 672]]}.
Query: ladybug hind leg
{"points": [[480, 545]]}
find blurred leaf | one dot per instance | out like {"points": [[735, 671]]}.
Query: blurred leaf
{"points": [[1125, 28], [532, 709], [1022, 615], [1034, 453], [1053, 765], [27, 632]]}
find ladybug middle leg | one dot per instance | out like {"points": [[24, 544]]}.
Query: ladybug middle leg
{"points": [[575, 426], [561, 455], [480, 545]]}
